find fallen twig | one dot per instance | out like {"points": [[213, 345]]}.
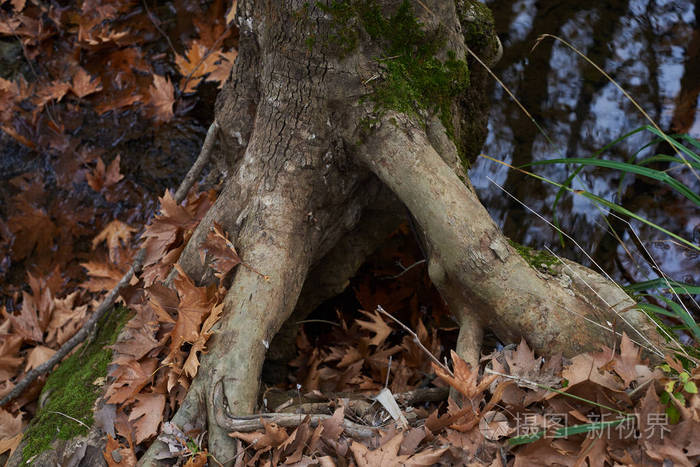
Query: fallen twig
{"points": [[247, 423], [111, 297], [406, 399]]}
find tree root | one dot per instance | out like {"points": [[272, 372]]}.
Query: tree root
{"points": [[476, 270]]}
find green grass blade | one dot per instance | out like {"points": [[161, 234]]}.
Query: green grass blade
{"points": [[619, 209], [568, 431], [661, 283], [665, 158], [629, 168], [690, 140], [675, 143], [682, 314], [651, 308]]}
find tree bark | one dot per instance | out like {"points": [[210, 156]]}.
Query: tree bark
{"points": [[308, 157]]}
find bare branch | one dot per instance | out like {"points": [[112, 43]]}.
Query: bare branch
{"points": [[417, 341]]}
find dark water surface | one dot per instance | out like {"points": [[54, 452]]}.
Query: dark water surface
{"points": [[652, 49]]}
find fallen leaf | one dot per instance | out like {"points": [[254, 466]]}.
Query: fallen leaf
{"points": [[273, 436], [222, 67], [161, 99], [18, 5], [199, 345], [117, 454], [465, 380], [9, 353], [119, 101], [10, 444], [101, 178], [630, 357], [333, 427], [166, 235], [26, 323], [194, 305], [32, 228], [102, 276], [221, 251], [138, 337], [114, 234], [129, 378], [10, 425], [66, 319], [198, 459], [84, 84], [385, 456], [46, 92], [37, 356], [146, 415], [230, 14], [195, 65], [377, 325]]}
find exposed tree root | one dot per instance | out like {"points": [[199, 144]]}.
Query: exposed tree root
{"points": [[472, 263]]}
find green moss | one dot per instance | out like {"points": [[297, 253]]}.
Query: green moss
{"points": [[71, 390], [538, 259], [414, 80], [477, 24], [345, 35]]}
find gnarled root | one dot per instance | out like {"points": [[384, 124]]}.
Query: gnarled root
{"points": [[475, 268]]}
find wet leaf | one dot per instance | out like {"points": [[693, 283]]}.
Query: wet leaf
{"points": [[114, 234], [84, 84], [161, 99]]}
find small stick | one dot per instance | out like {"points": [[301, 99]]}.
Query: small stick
{"points": [[198, 166], [79, 336], [417, 341], [154, 21], [72, 418], [250, 423], [111, 297]]}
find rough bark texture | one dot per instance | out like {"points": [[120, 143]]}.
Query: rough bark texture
{"points": [[303, 164], [317, 174]]}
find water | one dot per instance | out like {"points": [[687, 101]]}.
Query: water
{"points": [[652, 50]]}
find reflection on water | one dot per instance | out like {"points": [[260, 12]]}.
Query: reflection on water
{"points": [[652, 49]]}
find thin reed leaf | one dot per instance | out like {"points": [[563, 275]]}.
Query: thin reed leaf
{"points": [[661, 283], [662, 177], [597, 199]]}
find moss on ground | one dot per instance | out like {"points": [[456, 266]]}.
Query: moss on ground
{"points": [[538, 259], [71, 390]]}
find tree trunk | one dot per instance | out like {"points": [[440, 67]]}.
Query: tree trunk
{"points": [[323, 157]]}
